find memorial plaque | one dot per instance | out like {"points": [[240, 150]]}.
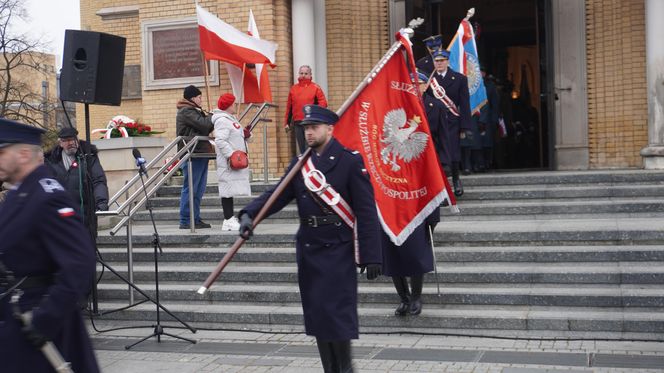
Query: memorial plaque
{"points": [[131, 82], [176, 53], [172, 56]]}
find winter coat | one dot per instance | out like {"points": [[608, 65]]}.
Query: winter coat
{"points": [[229, 137], [414, 256], [42, 237], [327, 273], [85, 182], [305, 92], [192, 121]]}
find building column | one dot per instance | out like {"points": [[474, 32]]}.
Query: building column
{"points": [[309, 39], [569, 100], [653, 154]]}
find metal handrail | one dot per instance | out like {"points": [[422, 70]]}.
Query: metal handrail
{"points": [[129, 207], [158, 178]]}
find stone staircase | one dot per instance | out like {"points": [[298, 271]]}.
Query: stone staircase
{"points": [[564, 254]]}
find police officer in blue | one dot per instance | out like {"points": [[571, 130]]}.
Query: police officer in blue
{"points": [[326, 254], [449, 115], [413, 258], [46, 251]]}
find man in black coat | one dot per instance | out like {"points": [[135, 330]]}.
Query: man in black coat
{"points": [[191, 120], [327, 257], [454, 122], [76, 167], [46, 254]]}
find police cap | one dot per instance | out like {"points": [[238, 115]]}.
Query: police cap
{"points": [[314, 114], [441, 54], [17, 133]]}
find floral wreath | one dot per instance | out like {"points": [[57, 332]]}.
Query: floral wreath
{"points": [[118, 122], [123, 126]]}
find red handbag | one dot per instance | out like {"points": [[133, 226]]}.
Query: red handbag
{"points": [[238, 160]]}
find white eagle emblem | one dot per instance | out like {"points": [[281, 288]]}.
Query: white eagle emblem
{"points": [[401, 139]]}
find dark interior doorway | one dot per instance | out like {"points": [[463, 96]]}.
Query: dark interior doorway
{"points": [[511, 42]]}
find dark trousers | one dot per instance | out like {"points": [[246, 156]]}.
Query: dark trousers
{"points": [[299, 137], [335, 356]]}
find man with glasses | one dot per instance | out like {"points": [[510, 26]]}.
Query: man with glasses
{"points": [[76, 166]]}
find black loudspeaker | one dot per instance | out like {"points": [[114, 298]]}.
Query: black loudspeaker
{"points": [[92, 68]]}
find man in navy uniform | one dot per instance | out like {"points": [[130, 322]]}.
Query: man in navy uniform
{"points": [[46, 252], [325, 249], [453, 121], [414, 257]]}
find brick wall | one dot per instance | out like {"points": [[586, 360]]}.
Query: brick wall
{"points": [[617, 96], [356, 39]]}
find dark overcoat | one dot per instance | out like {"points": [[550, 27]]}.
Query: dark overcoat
{"points": [[415, 255], [450, 126], [86, 182], [327, 272], [39, 237]]}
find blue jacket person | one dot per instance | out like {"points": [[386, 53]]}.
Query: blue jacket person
{"points": [[325, 249], [48, 251]]}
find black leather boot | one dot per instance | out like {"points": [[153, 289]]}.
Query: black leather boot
{"points": [[456, 182], [327, 358], [401, 284], [415, 302], [342, 355]]}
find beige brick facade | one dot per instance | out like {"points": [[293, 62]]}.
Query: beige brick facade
{"points": [[356, 39], [617, 97], [357, 36]]}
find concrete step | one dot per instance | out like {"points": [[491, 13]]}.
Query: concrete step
{"points": [[521, 178], [453, 293], [521, 318], [468, 209], [475, 272], [547, 232], [170, 196], [252, 254]]}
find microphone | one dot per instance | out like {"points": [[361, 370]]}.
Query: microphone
{"points": [[140, 161]]}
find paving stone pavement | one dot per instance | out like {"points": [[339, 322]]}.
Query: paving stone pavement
{"points": [[241, 351]]}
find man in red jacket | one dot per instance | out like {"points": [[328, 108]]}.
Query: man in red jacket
{"points": [[305, 92]]}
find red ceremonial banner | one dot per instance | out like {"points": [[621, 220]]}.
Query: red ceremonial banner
{"points": [[387, 124]]}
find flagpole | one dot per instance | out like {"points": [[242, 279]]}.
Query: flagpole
{"points": [[379, 66], [435, 261], [241, 98], [205, 78]]}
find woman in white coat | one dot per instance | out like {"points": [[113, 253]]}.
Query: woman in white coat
{"points": [[229, 136]]}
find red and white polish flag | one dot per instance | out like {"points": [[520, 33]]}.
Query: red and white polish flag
{"points": [[244, 83], [223, 42]]}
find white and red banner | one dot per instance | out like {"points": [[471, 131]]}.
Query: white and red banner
{"points": [[246, 87], [223, 42], [387, 124]]}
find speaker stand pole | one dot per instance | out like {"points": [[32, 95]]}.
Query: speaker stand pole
{"points": [[87, 122], [95, 299]]}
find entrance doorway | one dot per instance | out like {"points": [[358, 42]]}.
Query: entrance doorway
{"points": [[512, 46]]}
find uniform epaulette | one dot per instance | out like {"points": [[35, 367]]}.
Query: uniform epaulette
{"points": [[50, 185], [351, 151]]}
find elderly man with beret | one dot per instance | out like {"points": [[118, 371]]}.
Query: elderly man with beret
{"points": [[46, 256]]}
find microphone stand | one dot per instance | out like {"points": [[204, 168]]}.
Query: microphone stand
{"points": [[158, 329]]}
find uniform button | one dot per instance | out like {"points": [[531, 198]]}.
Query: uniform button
{"points": [[306, 245]]}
